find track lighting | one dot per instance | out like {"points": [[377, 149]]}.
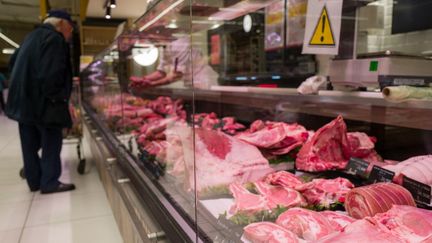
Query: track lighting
{"points": [[108, 13]]}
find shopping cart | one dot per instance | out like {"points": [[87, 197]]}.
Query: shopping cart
{"points": [[74, 135]]}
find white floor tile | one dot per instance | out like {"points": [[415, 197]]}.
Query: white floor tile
{"points": [[10, 176], [66, 206], [13, 215], [10, 236], [100, 229], [15, 193]]}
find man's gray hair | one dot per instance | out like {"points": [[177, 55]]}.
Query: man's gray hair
{"points": [[54, 21]]}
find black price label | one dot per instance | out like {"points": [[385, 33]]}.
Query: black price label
{"points": [[420, 191], [379, 174], [357, 167]]}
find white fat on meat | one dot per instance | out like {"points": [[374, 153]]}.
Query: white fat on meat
{"points": [[308, 225], [219, 159], [280, 196], [267, 232], [407, 222]]}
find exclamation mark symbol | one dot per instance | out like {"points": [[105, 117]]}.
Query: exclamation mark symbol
{"points": [[323, 26]]}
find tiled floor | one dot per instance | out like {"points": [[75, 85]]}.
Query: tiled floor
{"points": [[80, 216]]}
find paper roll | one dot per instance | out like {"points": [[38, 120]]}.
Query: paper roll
{"points": [[403, 93]]}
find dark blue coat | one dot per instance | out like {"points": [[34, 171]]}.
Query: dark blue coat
{"points": [[41, 80]]}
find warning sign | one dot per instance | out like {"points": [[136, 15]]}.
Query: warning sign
{"points": [[323, 23], [323, 34]]}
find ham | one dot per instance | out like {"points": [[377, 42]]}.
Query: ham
{"points": [[280, 196], [328, 149], [362, 231], [376, 198], [306, 224], [245, 201], [325, 192], [283, 178], [337, 220], [409, 223], [266, 232]]}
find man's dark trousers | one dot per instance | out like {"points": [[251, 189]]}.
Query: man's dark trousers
{"points": [[41, 172]]}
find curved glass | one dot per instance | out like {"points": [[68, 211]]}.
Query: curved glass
{"points": [[218, 97]]}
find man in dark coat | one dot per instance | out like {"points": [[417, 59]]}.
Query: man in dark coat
{"points": [[39, 92]]}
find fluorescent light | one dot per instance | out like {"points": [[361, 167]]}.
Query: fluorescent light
{"points": [[11, 42], [154, 20], [8, 51]]}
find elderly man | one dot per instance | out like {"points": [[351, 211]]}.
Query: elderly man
{"points": [[40, 88]]}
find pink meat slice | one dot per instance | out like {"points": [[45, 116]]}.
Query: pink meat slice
{"points": [[407, 222], [245, 201], [306, 224], [417, 168], [266, 232], [325, 191], [362, 231], [328, 149], [280, 196], [283, 178], [361, 144], [337, 220]]}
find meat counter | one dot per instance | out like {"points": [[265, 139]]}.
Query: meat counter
{"points": [[214, 163]]}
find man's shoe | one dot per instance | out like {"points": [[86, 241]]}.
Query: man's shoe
{"points": [[62, 187]]}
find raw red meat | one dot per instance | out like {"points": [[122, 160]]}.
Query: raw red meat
{"points": [[276, 137], [283, 178], [361, 144], [266, 232], [210, 121], [306, 224], [256, 126], [218, 159], [362, 231], [409, 223], [376, 198], [328, 149], [337, 220], [325, 191], [246, 201], [280, 196]]}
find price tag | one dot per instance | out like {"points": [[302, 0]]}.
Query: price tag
{"points": [[357, 167], [379, 174], [420, 191]]}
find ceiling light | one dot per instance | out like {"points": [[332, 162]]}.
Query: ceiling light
{"points": [[108, 13], [113, 4], [145, 56], [8, 51], [8, 40], [172, 24]]}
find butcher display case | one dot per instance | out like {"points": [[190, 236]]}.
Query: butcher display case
{"points": [[197, 105]]}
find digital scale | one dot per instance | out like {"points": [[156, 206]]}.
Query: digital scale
{"points": [[379, 70]]}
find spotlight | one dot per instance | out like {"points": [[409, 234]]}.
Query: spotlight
{"points": [[113, 4], [108, 13]]}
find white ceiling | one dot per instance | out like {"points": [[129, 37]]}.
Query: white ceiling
{"points": [[130, 9]]}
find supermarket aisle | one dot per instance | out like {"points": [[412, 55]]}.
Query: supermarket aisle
{"points": [[80, 216]]}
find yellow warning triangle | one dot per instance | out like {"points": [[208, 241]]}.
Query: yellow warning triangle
{"points": [[323, 34]]}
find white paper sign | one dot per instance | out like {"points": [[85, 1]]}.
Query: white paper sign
{"points": [[323, 23]]}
